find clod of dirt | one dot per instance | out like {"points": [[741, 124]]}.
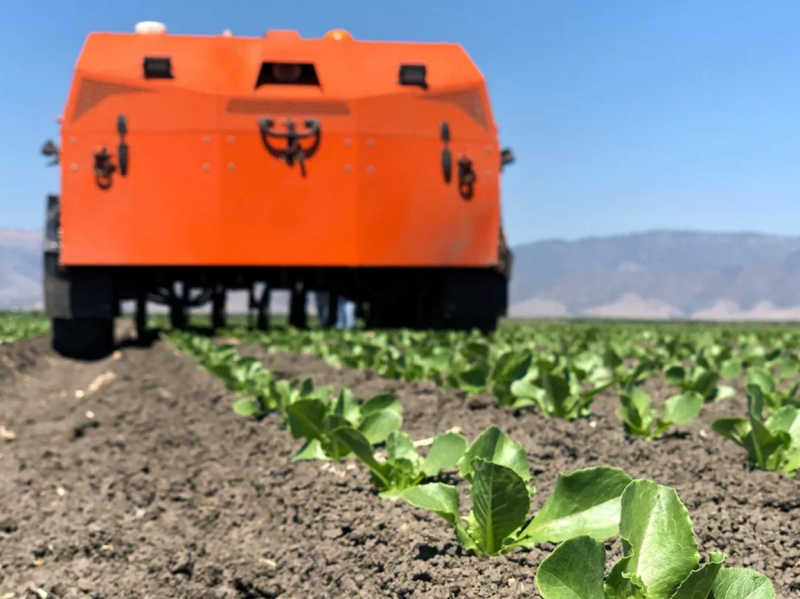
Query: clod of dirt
{"points": [[8, 525]]}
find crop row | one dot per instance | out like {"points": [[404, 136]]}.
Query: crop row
{"points": [[587, 507], [561, 374], [20, 325]]}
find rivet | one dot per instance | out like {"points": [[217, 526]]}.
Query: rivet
{"points": [[348, 142], [73, 141], [370, 143], [73, 167], [231, 139], [206, 167], [206, 140], [488, 174], [231, 166], [370, 169], [488, 149], [348, 168]]}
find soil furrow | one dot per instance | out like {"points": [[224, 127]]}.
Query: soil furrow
{"points": [[151, 487]]}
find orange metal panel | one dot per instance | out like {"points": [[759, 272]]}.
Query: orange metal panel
{"points": [[202, 188], [166, 211], [274, 215], [410, 217]]}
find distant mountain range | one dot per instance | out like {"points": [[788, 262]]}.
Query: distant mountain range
{"points": [[657, 274]]}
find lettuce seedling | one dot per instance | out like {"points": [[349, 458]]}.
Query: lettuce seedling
{"points": [[774, 398], [641, 420], [584, 502], [660, 558], [315, 420], [700, 379], [403, 468], [772, 444], [557, 395]]}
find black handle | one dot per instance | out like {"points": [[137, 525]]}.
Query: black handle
{"points": [[291, 133], [122, 153], [447, 158], [466, 178], [50, 149], [293, 152]]}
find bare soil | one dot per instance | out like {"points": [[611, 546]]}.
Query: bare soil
{"points": [[148, 486]]}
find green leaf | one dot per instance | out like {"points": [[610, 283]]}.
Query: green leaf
{"points": [[437, 497], [734, 429], [584, 503], [446, 450], [787, 420], [362, 448], [698, 584], [347, 407], [742, 583], [377, 426], [399, 446], [512, 365], [762, 379], [494, 445], [656, 526], [311, 450], [558, 391], [683, 408], [500, 504], [725, 392], [306, 418], [574, 570], [380, 403], [247, 407], [475, 379]]}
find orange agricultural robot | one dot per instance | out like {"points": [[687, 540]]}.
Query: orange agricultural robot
{"points": [[191, 165]]}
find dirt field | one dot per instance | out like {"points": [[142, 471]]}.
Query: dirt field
{"points": [[151, 487]]}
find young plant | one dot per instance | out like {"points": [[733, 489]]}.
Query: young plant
{"points": [[701, 378], [660, 558], [403, 468], [584, 502], [316, 421], [556, 395], [772, 444], [641, 420], [774, 398]]}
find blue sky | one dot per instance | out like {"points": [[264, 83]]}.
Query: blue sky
{"points": [[624, 115]]}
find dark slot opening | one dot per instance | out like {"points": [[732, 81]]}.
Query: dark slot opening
{"points": [[157, 68], [287, 73], [413, 74]]}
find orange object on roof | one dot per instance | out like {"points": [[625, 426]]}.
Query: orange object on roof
{"points": [[277, 150]]}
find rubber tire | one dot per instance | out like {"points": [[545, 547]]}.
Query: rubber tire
{"points": [[83, 338]]}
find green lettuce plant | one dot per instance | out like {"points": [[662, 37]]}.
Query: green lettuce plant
{"points": [[773, 443], [660, 558], [403, 467], [641, 420], [497, 469]]}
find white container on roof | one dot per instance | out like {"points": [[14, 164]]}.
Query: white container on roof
{"points": [[150, 28]]}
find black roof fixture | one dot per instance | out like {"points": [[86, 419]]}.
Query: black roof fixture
{"points": [[158, 68], [414, 74], [287, 73]]}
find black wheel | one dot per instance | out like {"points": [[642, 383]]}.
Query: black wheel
{"points": [[83, 338], [474, 299]]}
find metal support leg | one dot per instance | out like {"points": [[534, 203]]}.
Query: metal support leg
{"points": [[297, 307]]}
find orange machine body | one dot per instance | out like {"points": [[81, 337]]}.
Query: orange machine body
{"points": [[201, 189]]}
